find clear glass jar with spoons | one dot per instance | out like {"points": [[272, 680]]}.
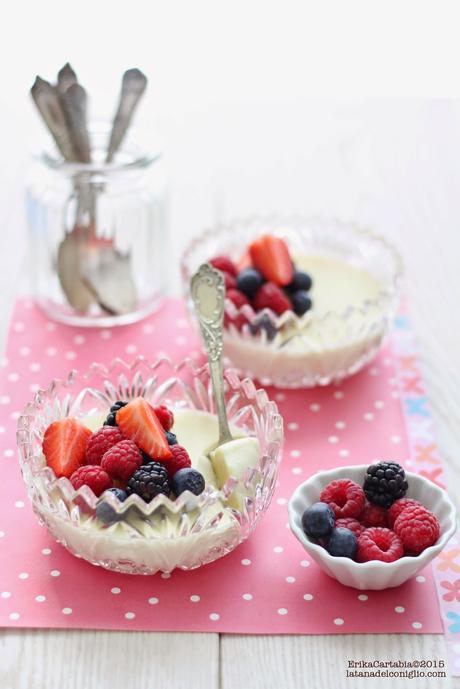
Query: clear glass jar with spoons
{"points": [[98, 234]]}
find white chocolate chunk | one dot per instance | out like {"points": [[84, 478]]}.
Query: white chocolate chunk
{"points": [[232, 460]]}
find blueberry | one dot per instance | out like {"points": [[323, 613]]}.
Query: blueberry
{"points": [[171, 438], [301, 302], [342, 543], [105, 512], [249, 281], [187, 479], [119, 493], [318, 520], [300, 281], [263, 322]]}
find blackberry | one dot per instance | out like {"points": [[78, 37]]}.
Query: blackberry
{"points": [[384, 483], [118, 405], [148, 481]]}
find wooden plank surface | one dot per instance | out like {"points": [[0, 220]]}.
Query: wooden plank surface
{"points": [[35, 659]]}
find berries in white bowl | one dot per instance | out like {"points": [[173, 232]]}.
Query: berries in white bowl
{"points": [[364, 544]]}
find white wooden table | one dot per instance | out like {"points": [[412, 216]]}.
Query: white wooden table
{"points": [[396, 166]]}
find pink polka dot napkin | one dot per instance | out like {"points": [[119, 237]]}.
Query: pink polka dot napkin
{"points": [[268, 585]]}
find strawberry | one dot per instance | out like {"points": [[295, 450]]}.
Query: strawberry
{"points": [[139, 423], [270, 255], [270, 296], [244, 261], [225, 264], [64, 446]]}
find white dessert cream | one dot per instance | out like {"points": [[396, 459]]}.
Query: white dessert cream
{"points": [[163, 543], [331, 343]]}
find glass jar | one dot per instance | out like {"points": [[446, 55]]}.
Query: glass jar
{"points": [[98, 235]]}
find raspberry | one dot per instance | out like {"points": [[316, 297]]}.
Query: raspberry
{"points": [[237, 297], [101, 441], [398, 506], [378, 543], [374, 515], [417, 528], [351, 524], [180, 460], [165, 416], [122, 460], [224, 264], [230, 281], [345, 497], [270, 296], [92, 476]]}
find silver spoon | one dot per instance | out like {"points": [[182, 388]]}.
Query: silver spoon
{"points": [[133, 85], [208, 294]]}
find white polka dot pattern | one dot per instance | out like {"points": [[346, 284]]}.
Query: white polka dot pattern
{"points": [[324, 427]]}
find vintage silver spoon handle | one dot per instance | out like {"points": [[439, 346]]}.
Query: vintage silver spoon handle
{"points": [[133, 85], [47, 101], [208, 294], [73, 102]]}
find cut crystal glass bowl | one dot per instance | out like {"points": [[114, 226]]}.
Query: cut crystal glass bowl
{"points": [[303, 351], [144, 538]]}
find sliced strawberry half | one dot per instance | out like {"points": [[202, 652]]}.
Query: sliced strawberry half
{"points": [[270, 255], [64, 446], [244, 261], [138, 422]]}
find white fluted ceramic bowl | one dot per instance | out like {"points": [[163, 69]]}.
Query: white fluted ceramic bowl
{"points": [[373, 575]]}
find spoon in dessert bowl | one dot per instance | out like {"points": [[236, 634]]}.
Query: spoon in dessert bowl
{"points": [[231, 456]]}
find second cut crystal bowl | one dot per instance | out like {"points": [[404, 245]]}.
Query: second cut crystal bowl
{"points": [[319, 347], [163, 534]]}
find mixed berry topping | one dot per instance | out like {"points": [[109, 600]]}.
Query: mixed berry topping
{"points": [[345, 497], [187, 479], [101, 441], [92, 476], [348, 525], [64, 446], [342, 543], [148, 481], [134, 452], [266, 278], [318, 520], [378, 543], [385, 482]]}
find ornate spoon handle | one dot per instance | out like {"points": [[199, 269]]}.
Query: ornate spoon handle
{"points": [[208, 294]]}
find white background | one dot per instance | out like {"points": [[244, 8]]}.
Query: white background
{"points": [[339, 108]]}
